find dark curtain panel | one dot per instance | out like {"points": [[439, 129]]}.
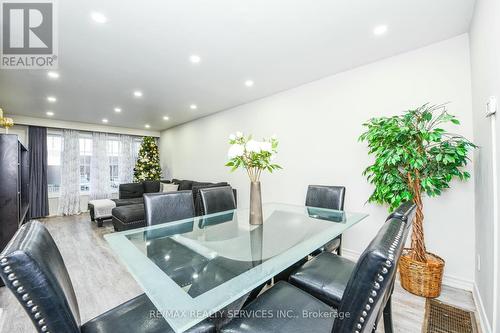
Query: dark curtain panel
{"points": [[39, 192]]}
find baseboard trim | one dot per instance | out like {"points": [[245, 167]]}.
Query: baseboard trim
{"points": [[448, 280], [483, 319]]}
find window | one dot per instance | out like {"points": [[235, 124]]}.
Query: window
{"points": [[54, 159], [114, 150], [54, 148], [85, 158]]}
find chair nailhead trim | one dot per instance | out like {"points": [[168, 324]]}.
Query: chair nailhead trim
{"points": [[384, 270], [25, 297]]}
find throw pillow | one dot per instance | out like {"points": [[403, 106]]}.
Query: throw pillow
{"points": [[169, 187]]}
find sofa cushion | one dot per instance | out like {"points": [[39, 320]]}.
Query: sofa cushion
{"points": [[126, 202], [131, 190], [185, 185], [151, 186], [129, 214]]}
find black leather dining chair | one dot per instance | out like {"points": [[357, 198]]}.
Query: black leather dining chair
{"points": [[217, 199], [183, 263], [364, 299], [33, 269], [168, 206], [320, 196], [326, 276], [329, 197]]}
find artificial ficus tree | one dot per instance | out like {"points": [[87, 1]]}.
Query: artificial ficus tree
{"points": [[414, 156]]}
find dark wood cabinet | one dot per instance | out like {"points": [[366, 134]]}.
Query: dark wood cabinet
{"points": [[14, 186]]}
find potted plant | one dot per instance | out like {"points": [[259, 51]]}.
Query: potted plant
{"points": [[255, 157], [415, 156]]}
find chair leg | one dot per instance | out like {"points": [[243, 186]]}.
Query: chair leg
{"points": [[339, 250], [388, 328]]}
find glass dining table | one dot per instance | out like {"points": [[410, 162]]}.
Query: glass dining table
{"points": [[192, 268]]}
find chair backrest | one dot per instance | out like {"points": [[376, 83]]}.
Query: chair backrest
{"points": [[329, 197], [217, 199], [403, 212], [371, 282], [33, 269], [168, 206]]}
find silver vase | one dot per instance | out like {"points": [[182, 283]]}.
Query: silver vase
{"points": [[255, 204]]}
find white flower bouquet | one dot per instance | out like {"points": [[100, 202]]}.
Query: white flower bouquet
{"points": [[252, 155]]}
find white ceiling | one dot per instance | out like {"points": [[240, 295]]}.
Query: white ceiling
{"points": [[278, 44]]}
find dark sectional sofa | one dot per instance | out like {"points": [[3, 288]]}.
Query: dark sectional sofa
{"points": [[129, 210]]}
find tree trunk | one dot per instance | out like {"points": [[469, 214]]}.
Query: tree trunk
{"points": [[417, 238]]}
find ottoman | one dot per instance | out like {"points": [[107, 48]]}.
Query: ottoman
{"points": [[128, 217], [100, 210]]}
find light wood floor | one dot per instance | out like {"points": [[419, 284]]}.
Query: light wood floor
{"points": [[101, 282]]}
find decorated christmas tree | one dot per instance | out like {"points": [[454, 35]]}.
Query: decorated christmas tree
{"points": [[147, 166]]}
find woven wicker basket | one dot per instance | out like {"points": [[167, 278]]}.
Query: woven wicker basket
{"points": [[419, 278]]}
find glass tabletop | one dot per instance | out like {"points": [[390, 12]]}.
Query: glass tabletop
{"points": [[192, 268]]}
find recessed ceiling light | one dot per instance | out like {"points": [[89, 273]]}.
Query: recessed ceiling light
{"points": [[249, 83], [195, 59], [104, 120], [147, 126], [49, 113], [380, 30], [118, 110], [137, 93], [53, 75], [166, 118], [99, 17], [51, 99], [193, 106]]}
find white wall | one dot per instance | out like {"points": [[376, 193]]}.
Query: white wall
{"points": [[485, 64], [318, 125]]}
